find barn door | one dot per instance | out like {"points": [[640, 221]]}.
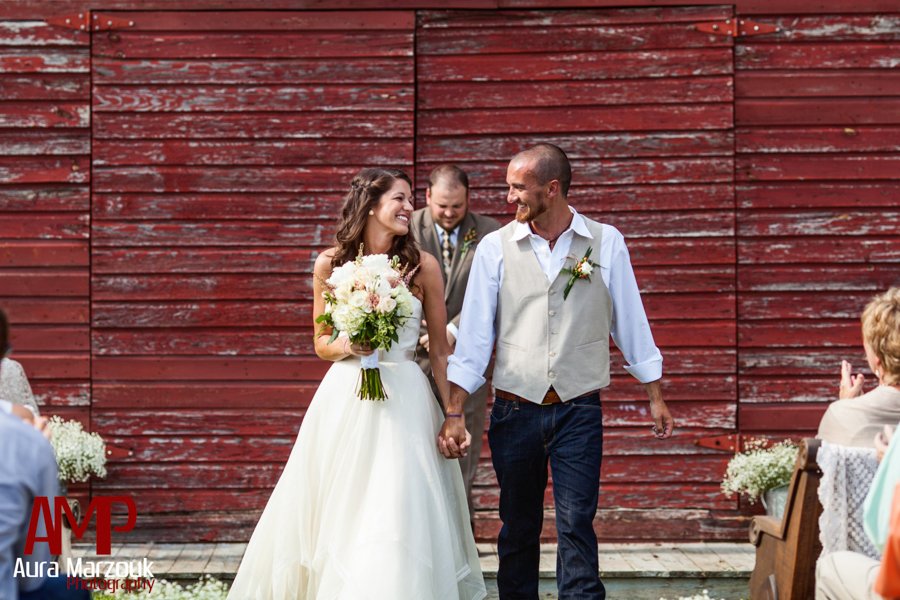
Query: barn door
{"points": [[642, 102], [222, 146]]}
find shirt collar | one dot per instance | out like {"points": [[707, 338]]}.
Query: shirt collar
{"points": [[523, 230]]}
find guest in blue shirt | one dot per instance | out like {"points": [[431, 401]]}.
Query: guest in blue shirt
{"points": [[27, 470]]}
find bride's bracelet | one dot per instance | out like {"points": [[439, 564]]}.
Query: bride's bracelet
{"points": [[347, 346]]}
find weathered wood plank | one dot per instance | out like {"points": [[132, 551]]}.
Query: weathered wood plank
{"points": [[44, 142], [764, 417], [49, 198], [199, 287], [786, 84], [251, 126], [817, 111], [47, 227], [751, 55], [49, 310], [259, 21], [788, 362], [818, 139], [55, 395], [818, 278], [476, 20], [793, 167], [298, 71], [188, 98], [575, 119], [198, 46], [50, 338], [29, 169], [199, 234], [46, 282], [588, 146], [820, 250], [56, 366], [605, 65], [870, 223], [798, 334], [475, 95], [201, 314], [577, 38], [243, 368], [40, 33], [202, 260], [817, 194], [222, 179], [46, 87], [44, 254], [42, 60], [762, 390], [44, 114], [839, 28], [238, 153], [217, 206], [837, 304]]}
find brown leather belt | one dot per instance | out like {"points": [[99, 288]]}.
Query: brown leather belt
{"points": [[551, 397]]}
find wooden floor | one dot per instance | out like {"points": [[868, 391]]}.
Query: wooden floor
{"points": [[632, 571]]}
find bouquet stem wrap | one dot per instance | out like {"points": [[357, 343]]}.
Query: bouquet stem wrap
{"points": [[369, 386]]}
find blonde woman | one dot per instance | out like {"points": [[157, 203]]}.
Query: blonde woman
{"points": [[857, 417]]}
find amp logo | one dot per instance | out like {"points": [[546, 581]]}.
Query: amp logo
{"points": [[100, 505]]}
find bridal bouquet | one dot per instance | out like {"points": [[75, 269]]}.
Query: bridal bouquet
{"points": [[369, 300]]}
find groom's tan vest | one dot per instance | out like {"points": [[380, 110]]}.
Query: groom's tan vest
{"points": [[543, 340]]}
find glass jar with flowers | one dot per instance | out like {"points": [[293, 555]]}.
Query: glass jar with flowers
{"points": [[762, 472]]}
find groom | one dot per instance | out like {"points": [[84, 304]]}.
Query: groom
{"points": [[552, 333]]}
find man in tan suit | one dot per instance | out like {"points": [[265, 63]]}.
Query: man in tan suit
{"points": [[448, 230]]}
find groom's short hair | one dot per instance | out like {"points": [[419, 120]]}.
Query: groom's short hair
{"points": [[550, 163], [449, 173]]}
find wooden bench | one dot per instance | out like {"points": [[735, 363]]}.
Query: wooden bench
{"points": [[787, 550]]}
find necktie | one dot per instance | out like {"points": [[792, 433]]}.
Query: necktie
{"points": [[446, 251]]}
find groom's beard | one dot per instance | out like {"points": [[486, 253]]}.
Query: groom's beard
{"points": [[527, 214]]}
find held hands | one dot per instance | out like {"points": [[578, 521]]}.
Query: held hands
{"points": [[454, 440], [851, 385]]}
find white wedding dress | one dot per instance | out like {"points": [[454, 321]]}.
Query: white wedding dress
{"points": [[366, 507]]}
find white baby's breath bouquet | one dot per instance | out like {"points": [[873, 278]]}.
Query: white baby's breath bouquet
{"points": [[79, 454], [369, 300], [759, 468]]}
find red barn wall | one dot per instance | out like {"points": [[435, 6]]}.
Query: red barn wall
{"points": [[166, 187]]}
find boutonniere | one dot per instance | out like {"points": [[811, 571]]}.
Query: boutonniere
{"points": [[470, 238], [582, 269]]}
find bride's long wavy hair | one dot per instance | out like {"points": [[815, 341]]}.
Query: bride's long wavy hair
{"points": [[366, 189]]}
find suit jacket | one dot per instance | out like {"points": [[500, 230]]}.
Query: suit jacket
{"points": [[454, 286]]}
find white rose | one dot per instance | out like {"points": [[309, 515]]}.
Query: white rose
{"points": [[359, 299], [376, 263], [586, 268], [343, 275], [386, 304], [382, 287]]}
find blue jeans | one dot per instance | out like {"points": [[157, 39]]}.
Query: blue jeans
{"points": [[524, 437]]}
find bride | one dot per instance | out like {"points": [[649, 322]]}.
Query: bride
{"points": [[366, 506]]}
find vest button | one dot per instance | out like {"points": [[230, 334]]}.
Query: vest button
{"points": [[551, 375], [552, 354], [552, 313]]}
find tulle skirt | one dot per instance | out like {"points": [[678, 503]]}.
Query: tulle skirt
{"points": [[366, 507]]}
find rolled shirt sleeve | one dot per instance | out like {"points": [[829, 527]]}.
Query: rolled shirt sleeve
{"points": [[475, 339], [630, 329]]}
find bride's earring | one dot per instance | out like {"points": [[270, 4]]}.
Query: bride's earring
{"points": [[371, 212]]}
